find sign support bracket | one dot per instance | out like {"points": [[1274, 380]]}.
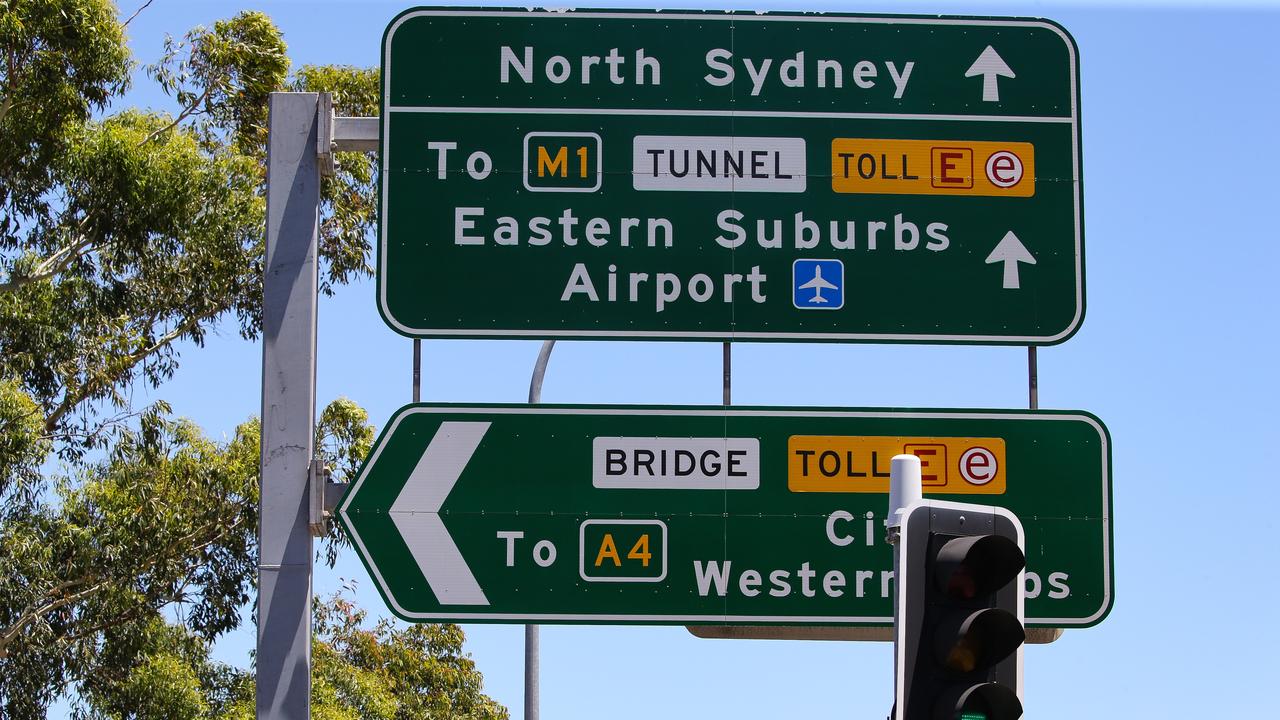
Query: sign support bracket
{"points": [[1037, 635], [1033, 378]]}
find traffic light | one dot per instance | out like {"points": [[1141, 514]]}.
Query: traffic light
{"points": [[959, 634]]}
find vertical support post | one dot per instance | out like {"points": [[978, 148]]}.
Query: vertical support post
{"points": [[531, 672], [417, 370], [288, 408], [905, 488], [531, 632], [540, 372], [1033, 379], [728, 374]]}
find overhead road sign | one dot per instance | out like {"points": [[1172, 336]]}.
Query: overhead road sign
{"points": [[701, 515], [730, 176]]}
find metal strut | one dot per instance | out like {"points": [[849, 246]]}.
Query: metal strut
{"points": [[531, 633]]}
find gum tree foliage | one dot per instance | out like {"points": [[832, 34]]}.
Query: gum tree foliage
{"points": [[360, 672], [127, 536]]}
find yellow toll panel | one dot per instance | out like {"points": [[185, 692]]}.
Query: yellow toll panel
{"points": [[933, 167], [860, 464]]}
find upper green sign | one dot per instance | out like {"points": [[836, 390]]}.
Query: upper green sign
{"points": [[707, 515], [730, 176]]}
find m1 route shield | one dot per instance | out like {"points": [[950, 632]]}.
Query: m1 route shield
{"points": [[702, 515], [730, 176]]}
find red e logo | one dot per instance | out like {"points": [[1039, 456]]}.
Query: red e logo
{"points": [[978, 466], [1004, 169]]}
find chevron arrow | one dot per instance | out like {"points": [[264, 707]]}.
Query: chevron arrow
{"points": [[415, 513]]}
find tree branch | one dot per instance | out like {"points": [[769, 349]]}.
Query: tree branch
{"points": [[186, 113], [137, 12], [30, 615], [89, 389], [52, 265], [10, 75]]}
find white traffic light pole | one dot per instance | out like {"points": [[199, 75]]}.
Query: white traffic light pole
{"points": [[905, 489]]}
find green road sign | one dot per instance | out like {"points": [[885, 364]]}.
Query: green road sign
{"points": [[730, 176], [701, 515]]}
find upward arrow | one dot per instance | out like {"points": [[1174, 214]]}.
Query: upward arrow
{"points": [[1011, 251], [416, 513], [990, 66]]}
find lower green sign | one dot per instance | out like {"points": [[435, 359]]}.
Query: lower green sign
{"points": [[704, 515]]}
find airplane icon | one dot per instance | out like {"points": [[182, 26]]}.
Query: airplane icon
{"points": [[817, 285]]}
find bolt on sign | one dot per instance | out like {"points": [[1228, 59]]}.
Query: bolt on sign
{"points": [[702, 515], [730, 176]]}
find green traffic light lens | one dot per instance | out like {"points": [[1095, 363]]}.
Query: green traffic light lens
{"points": [[985, 701]]}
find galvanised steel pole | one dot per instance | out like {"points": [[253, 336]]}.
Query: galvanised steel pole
{"points": [[531, 634], [288, 408]]}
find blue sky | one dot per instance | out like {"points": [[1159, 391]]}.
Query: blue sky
{"points": [[1177, 355]]}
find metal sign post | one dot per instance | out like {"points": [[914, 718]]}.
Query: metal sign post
{"points": [[532, 639], [302, 136], [288, 408], [904, 489]]}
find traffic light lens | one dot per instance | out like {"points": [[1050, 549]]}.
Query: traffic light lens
{"points": [[976, 565], [962, 584], [963, 656], [987, 701], [974, 640]]}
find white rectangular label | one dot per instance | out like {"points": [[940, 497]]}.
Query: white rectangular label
{"points": [[654, 463], [718, 164]]}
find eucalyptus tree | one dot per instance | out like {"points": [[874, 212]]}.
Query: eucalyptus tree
{"points": [[127, 235]]}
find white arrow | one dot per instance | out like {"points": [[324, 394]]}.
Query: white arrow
{"points": [[1011, 251], [989, 65], [416, 513]]}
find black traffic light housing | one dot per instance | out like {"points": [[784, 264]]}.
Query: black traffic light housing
{"points": [[960, 620]]}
